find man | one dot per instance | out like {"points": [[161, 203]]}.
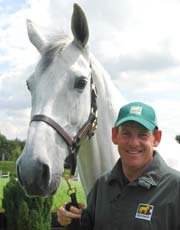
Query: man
{"points": [[141, 191]]}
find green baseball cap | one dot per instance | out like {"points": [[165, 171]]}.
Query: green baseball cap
{"points": [[139, 112]]}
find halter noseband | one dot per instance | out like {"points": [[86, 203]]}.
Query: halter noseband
{"points": [[88, 129]]}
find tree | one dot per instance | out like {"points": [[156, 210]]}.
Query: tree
{"points": [[14, 150], [10, 149], [3, 147]]}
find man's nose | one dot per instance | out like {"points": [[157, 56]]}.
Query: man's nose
{"points": [[134, 140]]}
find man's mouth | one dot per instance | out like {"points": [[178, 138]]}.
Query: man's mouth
{"points": [[134, 152]]}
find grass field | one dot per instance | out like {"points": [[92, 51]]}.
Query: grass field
{"points": [[8, 166], [59, 198]]}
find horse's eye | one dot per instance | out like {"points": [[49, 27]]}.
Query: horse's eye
{"points": [[80, 83], [27, 84]]}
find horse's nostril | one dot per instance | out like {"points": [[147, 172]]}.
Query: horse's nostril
{"points": [[45, 173]]}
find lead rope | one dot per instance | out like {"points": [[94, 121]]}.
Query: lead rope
{"points": [[71, 192], [67, 176]]}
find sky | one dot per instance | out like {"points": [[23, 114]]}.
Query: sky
{"points": [[137, 42]]}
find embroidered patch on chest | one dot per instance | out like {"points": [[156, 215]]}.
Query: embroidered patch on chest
{"points": [[144, 211]]}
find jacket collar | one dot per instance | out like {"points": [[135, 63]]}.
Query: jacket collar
{"points": [[153, 172], [151, 176]]}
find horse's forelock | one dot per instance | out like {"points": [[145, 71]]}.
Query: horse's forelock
{"points": [[55, 45]]}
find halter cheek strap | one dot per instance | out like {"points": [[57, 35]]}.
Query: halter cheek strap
{"points": [[88, 129]]}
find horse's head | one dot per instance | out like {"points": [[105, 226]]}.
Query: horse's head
{"points": [[61, 90]]}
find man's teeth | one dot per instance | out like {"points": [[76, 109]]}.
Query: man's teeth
{"points": [[134, 152]]}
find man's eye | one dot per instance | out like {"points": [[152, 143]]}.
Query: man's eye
{"points": [[143, 135], [80, 83], [125, 133]]}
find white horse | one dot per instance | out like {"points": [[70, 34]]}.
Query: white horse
{"points": [[61, 89]]}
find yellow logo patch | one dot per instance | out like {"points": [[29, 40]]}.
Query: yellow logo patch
{"points": [[144, 211]]}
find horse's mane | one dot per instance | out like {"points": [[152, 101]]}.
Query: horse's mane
{"points": [[54, 46]]}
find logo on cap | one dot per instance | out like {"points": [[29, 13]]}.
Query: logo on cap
{"points": [[136, 110]]}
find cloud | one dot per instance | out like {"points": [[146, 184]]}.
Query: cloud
{"points": [[145, 61], [136, 41], [14, 123], [168, 112]]}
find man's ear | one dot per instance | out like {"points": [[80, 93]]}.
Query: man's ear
{"points": [[115, 135], [157, 137]]}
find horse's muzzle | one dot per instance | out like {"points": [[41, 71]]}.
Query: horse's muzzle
{"points": [[36, 181]]}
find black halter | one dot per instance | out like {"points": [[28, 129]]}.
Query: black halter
{"points": [[88, 129]]}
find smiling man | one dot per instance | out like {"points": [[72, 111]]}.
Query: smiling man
{"points": [[136, 134], [141, 191]]}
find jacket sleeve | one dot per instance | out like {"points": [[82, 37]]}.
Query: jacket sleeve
{"points": [[88, 214]]}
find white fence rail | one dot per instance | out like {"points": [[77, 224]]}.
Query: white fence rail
{"points": [[4, 175]]}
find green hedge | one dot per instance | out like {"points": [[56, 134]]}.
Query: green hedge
{"points": [[25, 213], [58, 199]]}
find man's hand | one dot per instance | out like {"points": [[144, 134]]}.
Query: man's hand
{"points": [[65, 217]]}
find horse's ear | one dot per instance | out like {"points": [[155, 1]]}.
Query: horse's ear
{"points": [[35, 37], [79, 26]]}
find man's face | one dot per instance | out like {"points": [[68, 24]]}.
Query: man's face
{"points": [[135, 144]]}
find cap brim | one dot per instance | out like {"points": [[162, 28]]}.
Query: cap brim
{"points": [[148, 125]]}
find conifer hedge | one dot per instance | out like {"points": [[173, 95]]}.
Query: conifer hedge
{"points": [[23, 212]]}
